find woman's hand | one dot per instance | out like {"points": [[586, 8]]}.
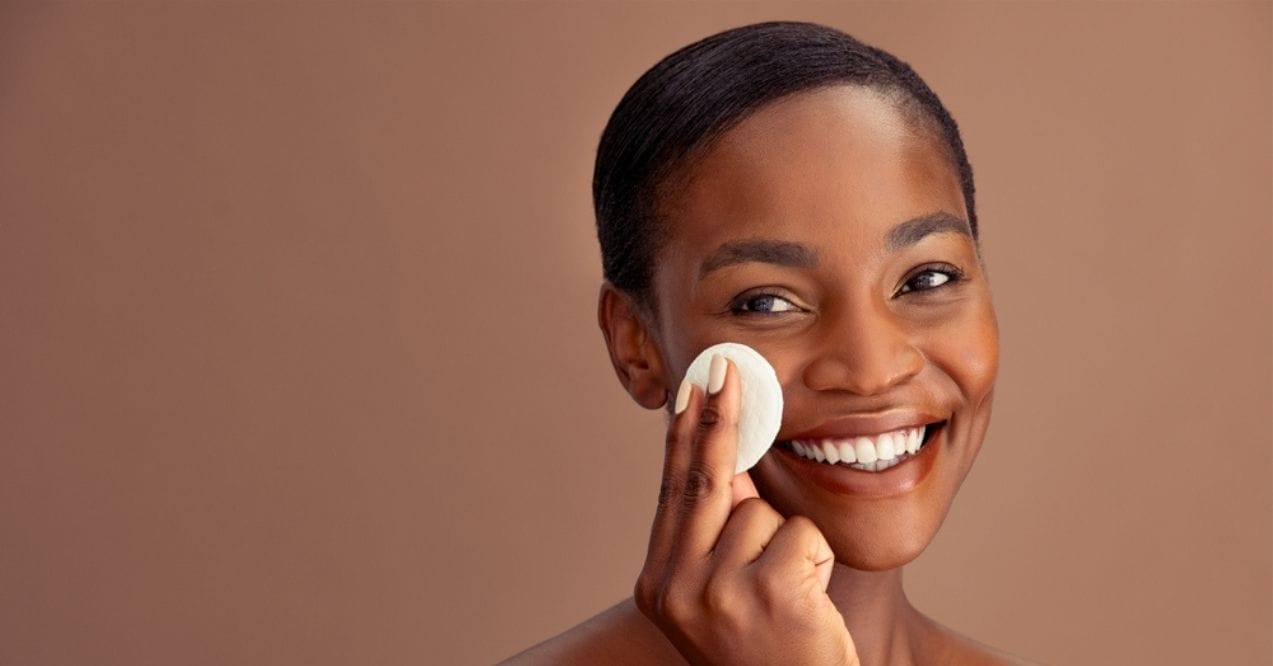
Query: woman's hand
{"points": [[726, 578]]}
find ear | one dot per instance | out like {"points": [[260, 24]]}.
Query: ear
{"points": [[635, 357]]}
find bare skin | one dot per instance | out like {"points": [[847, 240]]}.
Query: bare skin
{"points": [[829, 232]]}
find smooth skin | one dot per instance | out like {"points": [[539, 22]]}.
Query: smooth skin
{"points": [[807, 232]]}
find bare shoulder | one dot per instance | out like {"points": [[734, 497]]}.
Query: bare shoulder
{"points": [[618, 635]]}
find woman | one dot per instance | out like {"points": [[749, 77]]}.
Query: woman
{"points": [[787, 187]]}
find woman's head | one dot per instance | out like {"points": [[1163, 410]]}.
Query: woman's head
{"points": [[829, 227], [689, 98]]}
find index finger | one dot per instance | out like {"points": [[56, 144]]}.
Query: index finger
{"points": [[707, 494], [676, 460]]}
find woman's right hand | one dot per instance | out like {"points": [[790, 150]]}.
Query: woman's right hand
{"points": [[727, 579]]}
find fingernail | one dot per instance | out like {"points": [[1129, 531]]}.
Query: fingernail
{"points": [[683, 396], [716, 374]]}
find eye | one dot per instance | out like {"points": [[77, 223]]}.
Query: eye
{"points": [[931, 277], [761, 304]]}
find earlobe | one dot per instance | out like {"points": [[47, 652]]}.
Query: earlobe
{"points": [[635, 357]]}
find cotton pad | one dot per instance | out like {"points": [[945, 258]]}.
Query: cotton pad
{"points": [[761, 405]]}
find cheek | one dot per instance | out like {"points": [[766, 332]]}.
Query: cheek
{"points": [[966, 348]]}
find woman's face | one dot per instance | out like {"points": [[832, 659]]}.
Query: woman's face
{"points": [[828, 231]]}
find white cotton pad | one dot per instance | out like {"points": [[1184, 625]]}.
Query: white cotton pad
{"points": [[761, 412]]}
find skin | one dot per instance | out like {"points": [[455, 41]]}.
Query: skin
{"points": [[771, 567]]}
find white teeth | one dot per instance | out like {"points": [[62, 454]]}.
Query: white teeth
{"points": [[881, 465], [884, 448], [865, 450], [872, 454]]}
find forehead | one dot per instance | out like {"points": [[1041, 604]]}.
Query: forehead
{"points": [[838, 165]]}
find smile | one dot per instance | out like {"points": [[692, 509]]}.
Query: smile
{"points": [[869, 453], [848, 459]]}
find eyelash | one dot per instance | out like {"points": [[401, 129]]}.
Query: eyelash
{"points": [[952, 273], [736, 307]]}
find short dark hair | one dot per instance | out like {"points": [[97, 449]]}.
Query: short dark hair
{"points": [[697, 93]]}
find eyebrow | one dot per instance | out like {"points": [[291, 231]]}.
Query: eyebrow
{"points": [[913, 231], [781, 253], [797, 255]]}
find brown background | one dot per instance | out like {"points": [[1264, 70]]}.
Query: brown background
{"points": [[298, 362]]}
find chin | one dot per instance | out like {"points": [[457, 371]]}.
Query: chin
{"points": [[867, 534], [889, 553], [874, 520], [878, 545]]}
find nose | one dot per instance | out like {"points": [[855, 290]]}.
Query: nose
{"points": [[865, 351]]}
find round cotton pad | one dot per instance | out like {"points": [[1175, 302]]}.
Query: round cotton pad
{"points": [[761, 407]]}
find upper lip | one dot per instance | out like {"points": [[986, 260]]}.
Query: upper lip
{"points": [[860, 425]]}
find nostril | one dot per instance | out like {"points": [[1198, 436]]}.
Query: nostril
{"points": [[859, 383], [864, 370]]}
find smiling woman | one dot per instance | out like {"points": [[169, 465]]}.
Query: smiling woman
{"points": [[784, 186]]}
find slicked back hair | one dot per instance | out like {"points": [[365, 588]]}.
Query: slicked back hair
{"points": [[702, 90]]}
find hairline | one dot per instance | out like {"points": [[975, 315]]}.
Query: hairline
{"points": [[669, 183]]}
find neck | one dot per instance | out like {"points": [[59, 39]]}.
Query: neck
{"points": [[881, 620]]}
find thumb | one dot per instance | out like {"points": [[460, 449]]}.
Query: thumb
{"points": [[741, 488]]}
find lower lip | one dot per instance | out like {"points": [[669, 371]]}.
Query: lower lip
{"points": [[844, 480]]}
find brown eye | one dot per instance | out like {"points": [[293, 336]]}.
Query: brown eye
{"points": [[762, 304], [931, 278]]}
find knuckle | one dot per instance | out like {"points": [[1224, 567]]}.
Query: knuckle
{"points": [[719, 596], [672, 439], [713, 418], [778, 598], [698, 484], [771, 584], [751, 509], [669, 489], [724, 602], [651, 596], [675, 605], [802, 527], [710, 416]]}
